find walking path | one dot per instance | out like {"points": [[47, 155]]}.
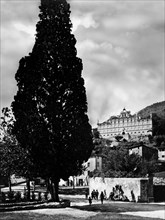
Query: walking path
{"points": [[85, 214], [66, 211], [152, 214]]}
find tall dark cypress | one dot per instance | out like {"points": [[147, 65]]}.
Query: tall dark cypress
{"points": [[50, 106]]}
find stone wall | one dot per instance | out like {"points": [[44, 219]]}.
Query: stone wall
{"points": [[132, 187]]}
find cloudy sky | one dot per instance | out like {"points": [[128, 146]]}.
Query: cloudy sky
{"points": [[121, 44]]}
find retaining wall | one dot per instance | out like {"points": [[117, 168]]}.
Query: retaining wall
{"points": [[140, 187]]}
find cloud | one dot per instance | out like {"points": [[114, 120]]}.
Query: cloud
{"points": [[86, 21]]}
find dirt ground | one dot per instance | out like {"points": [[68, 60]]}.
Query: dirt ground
{"points": [[80, 209]]}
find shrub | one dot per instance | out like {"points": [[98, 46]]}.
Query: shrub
{"points": [[18, 196], [25, 196], [10, 195], [46, 196], [39, 196], [33, 196], [3, 197]]}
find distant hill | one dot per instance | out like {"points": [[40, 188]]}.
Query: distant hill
{"points": [[157, 108]]}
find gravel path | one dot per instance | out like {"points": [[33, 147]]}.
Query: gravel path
{"points": [[154, 214], [85, 214], [64, 211]]}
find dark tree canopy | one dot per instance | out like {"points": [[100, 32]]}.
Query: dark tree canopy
{"points": [[50, 106]]}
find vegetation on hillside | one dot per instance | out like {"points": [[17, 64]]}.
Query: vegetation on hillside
{"points": [[157, 108], [117, 162]]}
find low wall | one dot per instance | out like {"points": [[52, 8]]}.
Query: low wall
{"points": [[127, 184]]}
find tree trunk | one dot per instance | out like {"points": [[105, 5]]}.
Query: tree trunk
{"points": [[48, 185], [54, 191], [9, 183], [28, 189], [73, 182]]}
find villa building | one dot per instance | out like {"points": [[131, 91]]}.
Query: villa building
{"points": [[125, 124]]}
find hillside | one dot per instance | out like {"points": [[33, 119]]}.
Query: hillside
{"points": [[157, 108]]}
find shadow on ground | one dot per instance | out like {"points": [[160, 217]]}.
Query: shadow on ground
{"points": [[119, 207]]}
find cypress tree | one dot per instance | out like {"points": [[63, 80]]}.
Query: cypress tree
{"points": [[50, 106]]}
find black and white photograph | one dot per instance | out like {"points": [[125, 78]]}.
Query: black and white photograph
{"points": [[82, 118]]}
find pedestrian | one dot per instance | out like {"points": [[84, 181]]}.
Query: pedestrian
{"points": [[93, 194], [86, 195], [97, 194], [90, 200], [102, 197], [133, 196]]}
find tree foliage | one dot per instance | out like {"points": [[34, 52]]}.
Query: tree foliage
{"points": [[50, 106], [7, 144], [14, 160], [117, 162], [158, 125]]}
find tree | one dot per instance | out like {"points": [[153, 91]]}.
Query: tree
{"points": [[50, 106], [13, 158], [7, 144], [158, 125], [119, 163], [96, 133]]}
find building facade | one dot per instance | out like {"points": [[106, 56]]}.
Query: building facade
{"points": [[125, 123], [161, 153], [146, 152], [93, 163]]}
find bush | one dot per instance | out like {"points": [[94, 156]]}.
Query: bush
{"points": [[25, 196], [3, 197], [39, 196], [46, 196], [10, 195], [18, 196], [33, 196]]}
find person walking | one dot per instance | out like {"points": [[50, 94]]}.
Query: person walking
{"points": [[90, 200], [97, 194], [102, 197]]}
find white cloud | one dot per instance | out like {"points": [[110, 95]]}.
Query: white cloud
{"points": [[86, 20], [28, 29]]}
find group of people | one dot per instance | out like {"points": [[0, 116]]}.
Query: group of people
{"points": [[95, 195], [117, 194]]}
